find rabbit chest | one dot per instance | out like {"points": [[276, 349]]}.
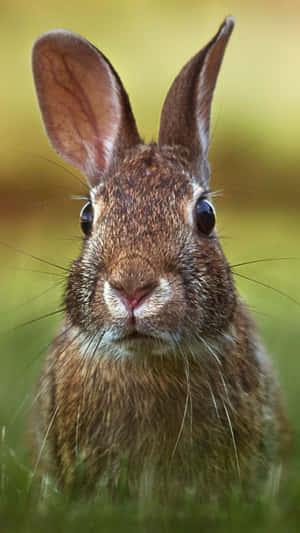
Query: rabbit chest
{"points": [[191, 421]]}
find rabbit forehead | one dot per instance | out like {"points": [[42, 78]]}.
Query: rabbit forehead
{"points": [[152, 183]]}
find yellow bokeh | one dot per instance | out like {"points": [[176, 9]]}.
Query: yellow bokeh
{"points": [[257, 103]]}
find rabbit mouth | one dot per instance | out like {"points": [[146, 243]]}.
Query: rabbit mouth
{"points": [[135, 336], [136, 342]]}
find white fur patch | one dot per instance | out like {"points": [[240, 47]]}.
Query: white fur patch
{"points": [[197, 191], [114, 304], [97, 206]]}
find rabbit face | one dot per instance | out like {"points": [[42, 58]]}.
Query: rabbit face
{"points": [[148, 280]]}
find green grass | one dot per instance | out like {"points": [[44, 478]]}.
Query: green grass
{"points": [[25, 509], [26, 505]]}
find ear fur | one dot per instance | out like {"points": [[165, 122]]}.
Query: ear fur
{"points": [[185, 118], [85, 108]]}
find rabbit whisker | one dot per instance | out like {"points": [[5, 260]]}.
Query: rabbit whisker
{"points": [[59, 165], [212, 352], [188, 400], [19, 410], [49, 370], [79, 197], [38, 296], [264, 260], [41, 352], [210, 349], [216, 193], [189, 392], [74, 238], [45, 261], [267, 286], [208, 377], [230, 424], [225, 389], [43, 444], [87, 361], [43, 386], [181, 426], [56, 274], [237, 462], [213, 400], [47, 315]]}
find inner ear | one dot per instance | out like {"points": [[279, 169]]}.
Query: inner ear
{"points": [[86, 111]]}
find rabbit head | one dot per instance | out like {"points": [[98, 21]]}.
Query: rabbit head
{"points": [[151, 277]]}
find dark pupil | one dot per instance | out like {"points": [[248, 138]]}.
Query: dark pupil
{"points": [[86, 218], [205, 217]]}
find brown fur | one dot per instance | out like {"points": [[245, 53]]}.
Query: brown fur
{"points": [[103, 412], [178, 389]]}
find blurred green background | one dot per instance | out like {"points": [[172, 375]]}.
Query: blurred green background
{"points": [[254, 157]]}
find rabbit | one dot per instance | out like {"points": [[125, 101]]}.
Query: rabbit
{"points": [[157, 366]]}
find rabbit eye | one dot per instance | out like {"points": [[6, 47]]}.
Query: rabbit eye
{"points": [[205, 216], [86, 218]]}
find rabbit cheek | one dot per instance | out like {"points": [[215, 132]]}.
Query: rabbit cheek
{"points": [[217, 294], [209, 289]]}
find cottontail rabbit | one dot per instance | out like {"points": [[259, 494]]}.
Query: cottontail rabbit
{"points": [[157, 364]]}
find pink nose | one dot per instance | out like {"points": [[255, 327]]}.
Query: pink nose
{"points": [[134, 298]]}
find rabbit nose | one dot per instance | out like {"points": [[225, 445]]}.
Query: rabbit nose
{"points": [[133, 297]]}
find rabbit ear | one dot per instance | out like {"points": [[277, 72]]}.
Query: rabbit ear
{"points": [[85, 108], [185, 118]]}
